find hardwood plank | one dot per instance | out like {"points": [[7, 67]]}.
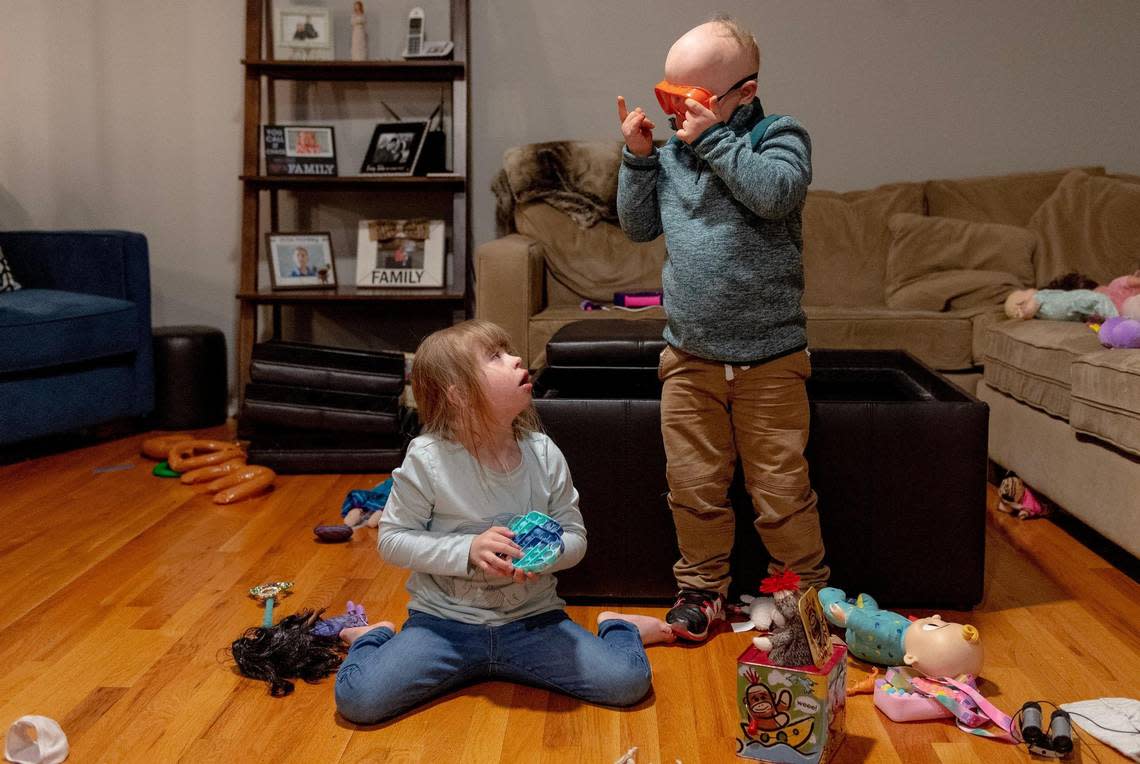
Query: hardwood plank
{"points": [[123, 592]]}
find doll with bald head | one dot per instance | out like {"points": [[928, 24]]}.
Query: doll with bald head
{"points": [[727, 191]]}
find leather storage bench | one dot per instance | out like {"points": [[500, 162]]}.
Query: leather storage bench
{"points": [[313, 409], [897, 458]]}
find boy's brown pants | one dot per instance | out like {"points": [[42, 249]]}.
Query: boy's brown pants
{"points": [[711, 415]]}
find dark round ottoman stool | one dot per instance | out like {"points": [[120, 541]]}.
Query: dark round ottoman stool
{"points": [[190, 382]]}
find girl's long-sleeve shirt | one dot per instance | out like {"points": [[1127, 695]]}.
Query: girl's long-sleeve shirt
{"points": [[442, 498]]}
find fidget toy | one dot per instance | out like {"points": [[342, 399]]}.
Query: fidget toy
{"points": [[540, 537]]}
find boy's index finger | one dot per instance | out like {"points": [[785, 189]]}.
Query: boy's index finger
{"points": [[623, 112]]}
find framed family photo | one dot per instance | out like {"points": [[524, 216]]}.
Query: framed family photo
{"points": [[302, 33], [394, 148], [400, 253], [299, 150], [301, 260]]}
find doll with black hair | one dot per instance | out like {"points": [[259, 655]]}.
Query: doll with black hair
{"points": [[301, 646]]}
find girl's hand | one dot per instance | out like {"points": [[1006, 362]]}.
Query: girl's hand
{"points": [[636, 128], [697, 120], [492, 552]]}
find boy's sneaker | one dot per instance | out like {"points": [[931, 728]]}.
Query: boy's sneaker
{"points": [[694, 613]]}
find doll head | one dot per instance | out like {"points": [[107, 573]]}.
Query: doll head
{"points": [[942, 648], [289, 650], [1022, 303]]}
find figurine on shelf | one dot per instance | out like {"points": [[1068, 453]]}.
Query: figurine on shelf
{"points": [[359, 33]]}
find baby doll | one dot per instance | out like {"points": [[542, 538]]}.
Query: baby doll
{"points": [[1059, 304], [930, 645], [787, 642]]}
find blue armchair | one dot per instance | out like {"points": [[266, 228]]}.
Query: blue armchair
{"points": [[75, 341]]}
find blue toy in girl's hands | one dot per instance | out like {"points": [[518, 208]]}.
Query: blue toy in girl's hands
{"points": [[540, 537]]}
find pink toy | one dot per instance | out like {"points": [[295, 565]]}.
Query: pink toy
{"points": [[1124, 291], [1120, 333], [902, 706]]}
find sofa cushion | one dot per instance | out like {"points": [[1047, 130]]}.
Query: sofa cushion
{"points": [[1009, 199], [589, 263], [846, 239], [937, 263], [1032, 360], [941, 340], [47, 327], [1106, 397], [1090, 224]]}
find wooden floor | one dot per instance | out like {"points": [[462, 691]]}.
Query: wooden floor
{"points": [[121, 592]]}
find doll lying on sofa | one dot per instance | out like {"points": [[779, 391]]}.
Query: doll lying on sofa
{"points": [[1089, 303]]}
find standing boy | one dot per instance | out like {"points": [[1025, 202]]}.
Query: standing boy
{"points": [[728, 193]]}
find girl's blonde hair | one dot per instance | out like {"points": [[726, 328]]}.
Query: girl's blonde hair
{"points": [[447, 382]]}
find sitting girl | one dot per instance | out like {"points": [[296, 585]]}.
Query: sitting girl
{"points": [[473, 615]]}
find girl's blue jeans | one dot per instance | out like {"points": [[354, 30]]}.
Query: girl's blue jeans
{"points": [[385, 674]]}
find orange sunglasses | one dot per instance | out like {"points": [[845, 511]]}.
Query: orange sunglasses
{"points": [[672, 97]]}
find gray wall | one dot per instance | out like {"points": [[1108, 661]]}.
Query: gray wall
{"points": [[889, 89], [123, 113]]}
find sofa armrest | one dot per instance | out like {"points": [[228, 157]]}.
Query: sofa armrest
{"points": [[509, 285], [105, 263]]}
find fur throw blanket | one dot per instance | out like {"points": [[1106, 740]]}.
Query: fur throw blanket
{"points": [[578, 178]]}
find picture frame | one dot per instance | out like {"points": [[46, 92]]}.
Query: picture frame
{"points": [[300, 260], [299, 150], [302, 33], [404, 253], [394, 149]]}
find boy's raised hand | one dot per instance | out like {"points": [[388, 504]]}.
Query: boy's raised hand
{"points": [[636, 128], [697, 119]]}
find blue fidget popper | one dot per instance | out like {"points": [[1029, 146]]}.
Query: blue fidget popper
{"points": [[540, 537]]}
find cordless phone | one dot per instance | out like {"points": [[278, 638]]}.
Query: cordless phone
{"points": [[415, 42], [416, 46]]}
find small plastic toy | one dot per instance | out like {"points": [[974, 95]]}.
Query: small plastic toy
{"points": [[905, 696], [540, 537], [929, 645], [268, 594], [333, 534]]}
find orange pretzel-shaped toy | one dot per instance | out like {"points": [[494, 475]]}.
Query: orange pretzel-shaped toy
{"points": [[192, 454], [158, 447], [241, 484], [219, 464]]}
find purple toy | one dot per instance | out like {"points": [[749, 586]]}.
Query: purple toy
{"points": [[331, 627], [1119, 332]]}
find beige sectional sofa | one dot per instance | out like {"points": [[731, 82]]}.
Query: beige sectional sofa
{"points": [[919, 266]]}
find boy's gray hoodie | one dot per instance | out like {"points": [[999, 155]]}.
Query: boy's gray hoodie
{"points": [[730, 207]]}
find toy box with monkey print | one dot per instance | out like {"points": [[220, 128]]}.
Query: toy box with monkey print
{"points": [[793, 715]]}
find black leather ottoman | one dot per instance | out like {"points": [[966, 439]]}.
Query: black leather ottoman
{"points": [[897, 457], [190, 381], [315, 409]]}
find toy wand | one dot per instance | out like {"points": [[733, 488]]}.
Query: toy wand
{"points": [[268, 593]]}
